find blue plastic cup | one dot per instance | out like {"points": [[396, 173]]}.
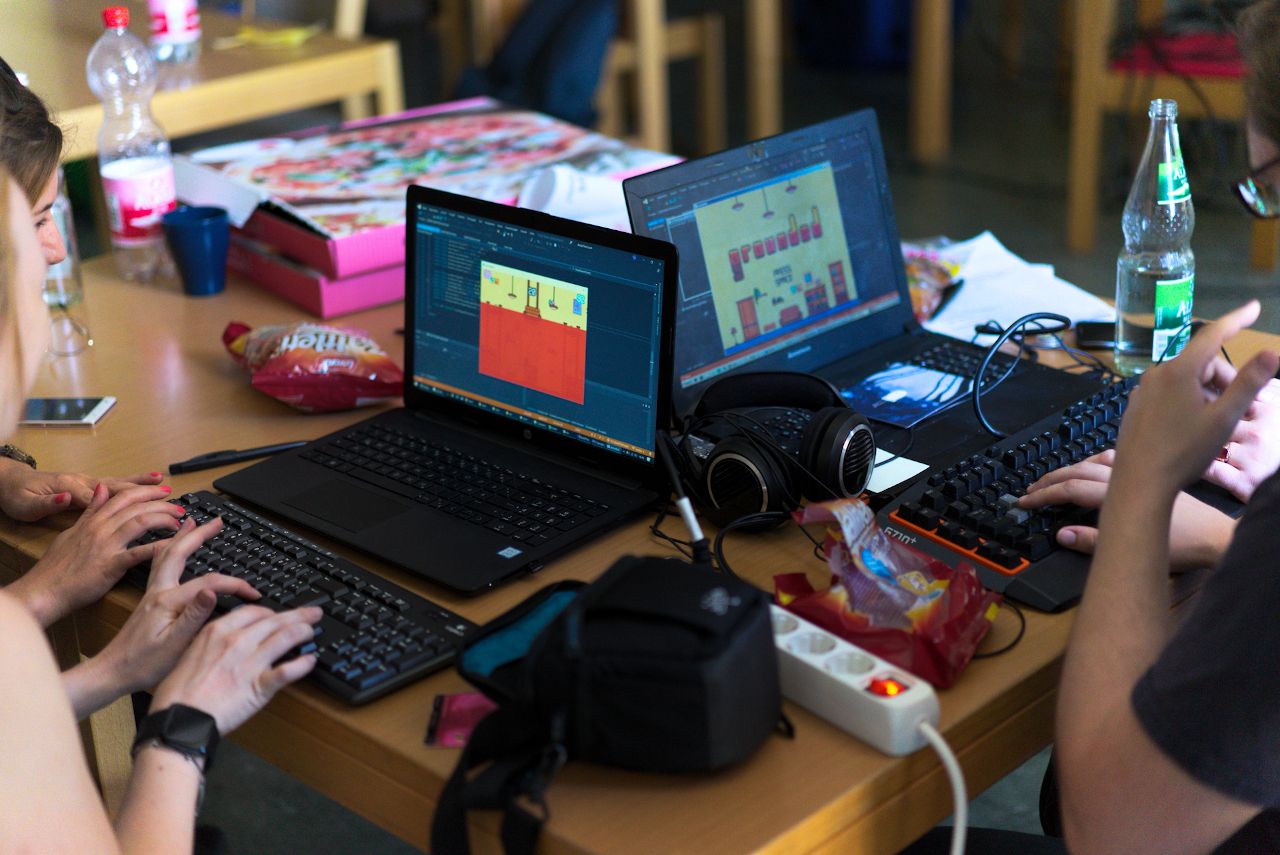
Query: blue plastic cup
{"points": [[197, 238]]}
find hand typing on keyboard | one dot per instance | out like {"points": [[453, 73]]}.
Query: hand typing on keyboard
{"points": [[374, 636], [170, 614], [225, 667], [1198, 535], [228, 670]]}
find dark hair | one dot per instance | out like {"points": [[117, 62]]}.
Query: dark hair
{"points": [[30, 142], [1259, 32]]}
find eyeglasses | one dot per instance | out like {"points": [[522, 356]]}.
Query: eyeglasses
{"points": [[1260, 198]]}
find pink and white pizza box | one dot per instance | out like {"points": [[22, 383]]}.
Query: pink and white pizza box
{"points": [[333, 199], [321, 295]]}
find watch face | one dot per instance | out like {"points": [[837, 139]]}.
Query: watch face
{"points": [[190, 727], [183, 729]]}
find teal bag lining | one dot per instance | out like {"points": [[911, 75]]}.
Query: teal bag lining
{"points": [[507, 645]]}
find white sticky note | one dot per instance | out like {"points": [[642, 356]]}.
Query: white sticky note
{"points": [[889, 475]]}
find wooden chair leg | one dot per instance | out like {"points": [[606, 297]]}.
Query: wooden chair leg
{"points": [[713, 123], [609, 99], [451, 28], [1085, 146], [653, 94], [1263, 244], [1011, 36]]}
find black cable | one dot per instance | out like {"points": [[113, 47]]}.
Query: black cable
{"points": [[684, 547], [911, 438], [817, 544], [980, 388], [1082, 358], [717, 548], [1022, 629]]}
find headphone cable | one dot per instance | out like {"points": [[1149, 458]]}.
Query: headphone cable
{"points": [[698, 540]]}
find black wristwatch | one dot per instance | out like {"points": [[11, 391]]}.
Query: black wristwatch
{"points": [[187, 730], [14, 453]]}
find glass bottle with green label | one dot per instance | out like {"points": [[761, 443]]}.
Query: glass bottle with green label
{"points": [[1155, 273]]}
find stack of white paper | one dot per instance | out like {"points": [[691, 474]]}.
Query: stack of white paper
{"points": [[999, 286]]}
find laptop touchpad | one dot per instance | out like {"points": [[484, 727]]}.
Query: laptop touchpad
{"points": [[345, 505]]}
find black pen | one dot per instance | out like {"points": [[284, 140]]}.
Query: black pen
{"points": [[222, 458]]}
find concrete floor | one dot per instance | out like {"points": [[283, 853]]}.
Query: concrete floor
{"points": [[1007, 174]]}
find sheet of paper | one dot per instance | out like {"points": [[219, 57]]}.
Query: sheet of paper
{"points": [[1000, 286], [567, 192], [889, 475]]}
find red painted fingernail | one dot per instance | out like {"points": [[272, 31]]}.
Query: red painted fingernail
{"points": [[62, 498], [166, 489], [155, 474]]}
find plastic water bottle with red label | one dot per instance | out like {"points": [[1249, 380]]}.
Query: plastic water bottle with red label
{"points": [[133, 151], [175, 30]]}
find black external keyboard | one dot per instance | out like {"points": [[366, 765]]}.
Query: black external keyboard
{"points": [[467, 487], [374, 637], [958, 359], [968, 511]]}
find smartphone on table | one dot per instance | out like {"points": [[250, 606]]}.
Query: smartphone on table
{"points": [[1101, 335], [66, 411], [1096, 335]]}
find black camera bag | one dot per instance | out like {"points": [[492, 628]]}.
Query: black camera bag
{"points": [[658, 666]]}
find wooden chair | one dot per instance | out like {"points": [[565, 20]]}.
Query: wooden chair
{"points": [[646, 45], [1097, 88]]}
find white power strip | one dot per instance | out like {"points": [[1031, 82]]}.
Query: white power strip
{"points": [[855, 690]]}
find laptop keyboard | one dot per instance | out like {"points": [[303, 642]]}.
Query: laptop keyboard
{"points": [[961, 360], [375, 636], [522, 508]]}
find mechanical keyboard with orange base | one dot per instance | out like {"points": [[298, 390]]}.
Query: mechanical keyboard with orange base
{"points": [[968, 512]]}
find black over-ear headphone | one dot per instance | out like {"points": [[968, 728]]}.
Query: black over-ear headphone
{"points": [[778, 436]]}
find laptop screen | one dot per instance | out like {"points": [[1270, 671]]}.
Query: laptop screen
{"points": [[549, 331], [789, 252]]}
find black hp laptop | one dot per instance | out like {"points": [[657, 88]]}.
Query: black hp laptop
{"points": [[790, 260], [537, 352]]}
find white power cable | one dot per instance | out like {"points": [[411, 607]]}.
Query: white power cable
{"points": [[956, 777]]}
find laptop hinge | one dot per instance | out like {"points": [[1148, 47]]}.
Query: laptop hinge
{"points": [[585, 467]]}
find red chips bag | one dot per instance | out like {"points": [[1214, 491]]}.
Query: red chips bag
{"points": [[892, 600], [314, 367]]}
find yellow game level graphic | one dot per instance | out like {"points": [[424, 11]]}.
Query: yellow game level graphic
{"points": [[776, 255], [533, 295]]}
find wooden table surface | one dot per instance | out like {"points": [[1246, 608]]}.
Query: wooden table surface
{"points": [[51, 41], [180, 394]]}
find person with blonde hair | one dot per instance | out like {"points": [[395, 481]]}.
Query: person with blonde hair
{"points": [[89, 558], [211, 677]]}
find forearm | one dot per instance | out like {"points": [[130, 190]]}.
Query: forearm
{"points": [[1214, 536], [159, 806], [1123, 621], [92, 685], [1122, 625], [37, 598]]}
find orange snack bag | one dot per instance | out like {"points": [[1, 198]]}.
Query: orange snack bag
{"points": [[314, 367]]}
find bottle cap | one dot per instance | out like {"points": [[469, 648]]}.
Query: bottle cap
{"points": [[115, 16]]}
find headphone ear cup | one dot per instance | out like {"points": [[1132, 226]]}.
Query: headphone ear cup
{"points": [[838, 448], [741, 476]]}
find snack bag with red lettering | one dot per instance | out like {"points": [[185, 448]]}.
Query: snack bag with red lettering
{"points": [[314, 367]]}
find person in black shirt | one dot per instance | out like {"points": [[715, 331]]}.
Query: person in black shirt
{"points": [[1168, 721], [1166, 736]]}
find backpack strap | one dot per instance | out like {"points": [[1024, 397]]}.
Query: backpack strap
{"points": [[522, 761]]}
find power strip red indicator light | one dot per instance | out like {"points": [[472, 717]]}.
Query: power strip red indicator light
{"points": [[886, 687]]}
